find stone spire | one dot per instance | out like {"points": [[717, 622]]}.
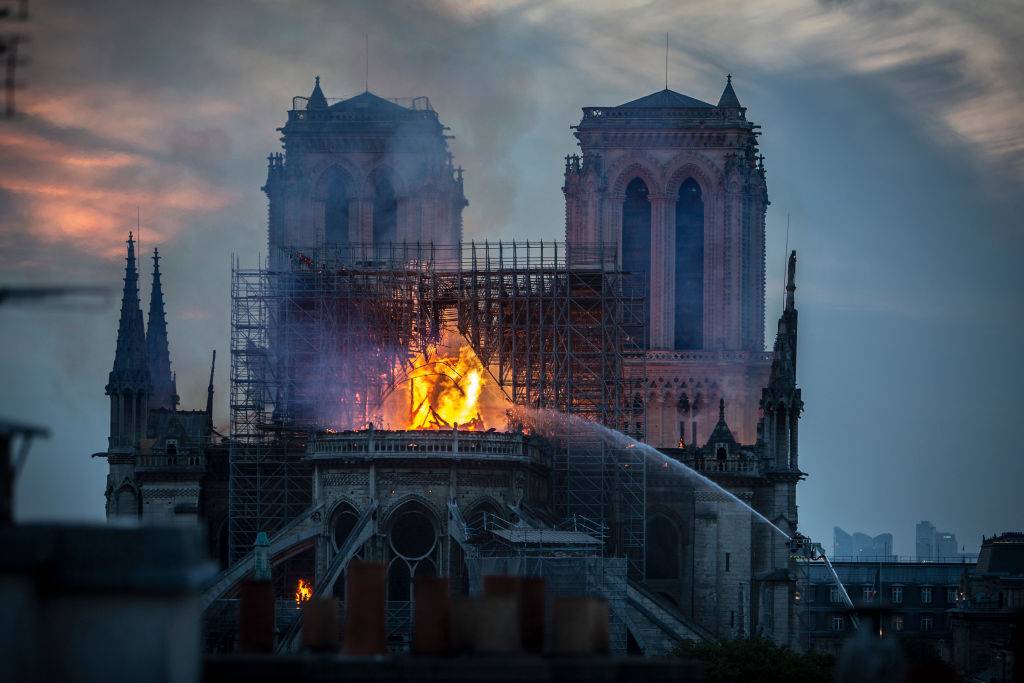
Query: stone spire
{"points": [[791, 282], [209, 392], [781, 400], [130, 367], [316, 98], [128, 385], [728, 100], [157, 352], [721, 434]]}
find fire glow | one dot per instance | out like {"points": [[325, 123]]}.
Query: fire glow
{"points": [[444, 390], [303, 592]]}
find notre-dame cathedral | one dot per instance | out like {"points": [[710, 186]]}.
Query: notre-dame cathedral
{"points": [[677, 185]]}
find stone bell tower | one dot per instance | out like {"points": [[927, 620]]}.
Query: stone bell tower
{"points": [[363, 171], [678, 187]]}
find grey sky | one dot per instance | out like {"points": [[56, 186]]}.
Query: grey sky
{"points": [[894, 137]]}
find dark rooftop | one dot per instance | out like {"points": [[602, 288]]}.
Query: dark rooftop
{"points": [[666, 99]]}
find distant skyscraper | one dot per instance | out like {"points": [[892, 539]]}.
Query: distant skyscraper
{"points": [[925, 541], [945, 545]]}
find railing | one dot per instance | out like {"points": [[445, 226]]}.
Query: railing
{"points": [[706, 114], [179, 461], [465, 257], [423, 444], [710, 356], [726, 466], [966, 558], [421, 103]]}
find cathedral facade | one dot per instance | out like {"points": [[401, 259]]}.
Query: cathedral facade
{"points": [[676, 186]]}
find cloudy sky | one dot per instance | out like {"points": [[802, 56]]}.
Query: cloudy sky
{"points": [[894, 137]]}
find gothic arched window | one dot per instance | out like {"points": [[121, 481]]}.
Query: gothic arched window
{"points": [[336, 209], [385, 210], [689, 266], [126, 503], [636, 232], [413, 545], [345, 520], [663, 548]]}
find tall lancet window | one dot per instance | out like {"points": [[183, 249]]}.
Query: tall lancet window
{"points": [[689, 266], [336, 209], [636, 232], [385, 210]]}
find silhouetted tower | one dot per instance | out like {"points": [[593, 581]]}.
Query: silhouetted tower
{"points": [[129, 385], [165, 394], [677, 186], [781, 403], [362, 171]]}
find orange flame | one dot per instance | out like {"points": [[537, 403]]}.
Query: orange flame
{"points": [[303, 593], [444, 391]]}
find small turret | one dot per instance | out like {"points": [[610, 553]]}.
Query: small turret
{"points": [[316, 98], [721, 435], [728, 100]]}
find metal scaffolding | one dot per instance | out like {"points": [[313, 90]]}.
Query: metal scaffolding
{"points": [[319, 342]]}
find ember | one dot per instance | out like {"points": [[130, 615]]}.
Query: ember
{"points": [[303, 593]]}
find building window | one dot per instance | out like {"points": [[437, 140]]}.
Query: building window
{"points": [[834, 596], [808, 594], [926, 622], [951, 594], [926, 595], [636, 232], [837, 623], [868, 593], [689, 266], [897, 622], [897, 594], [727, 556]]}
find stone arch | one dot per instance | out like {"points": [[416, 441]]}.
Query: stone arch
{"points": [[413, 537], [480, 505], [399, 181], [127, 501], [636, 166], [404, 499], [413, 501], [310, 180], [321, 185], [333, 193], [664, 547], [341, 521], [700, 168]]}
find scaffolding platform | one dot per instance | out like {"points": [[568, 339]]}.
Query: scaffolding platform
{"points": [[319, 341]]}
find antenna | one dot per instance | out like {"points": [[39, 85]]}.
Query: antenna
{"points": [[785, 262], [666, 61], [366, 82]]}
